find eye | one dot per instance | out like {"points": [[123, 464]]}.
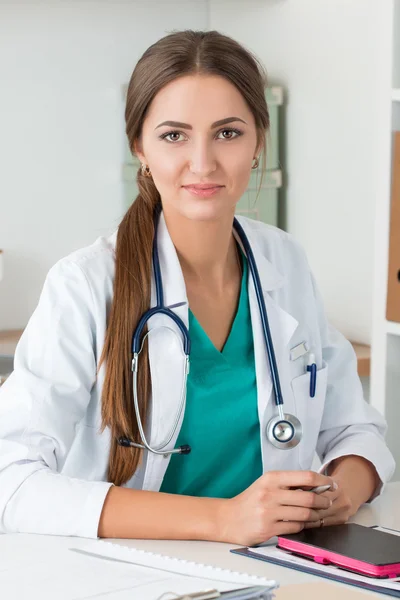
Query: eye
{"points": [[175, 134], [231, 132]]}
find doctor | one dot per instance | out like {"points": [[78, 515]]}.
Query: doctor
{"points": [[75, 459]]}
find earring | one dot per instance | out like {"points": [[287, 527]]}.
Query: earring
{"points": [[256, 163], [145, 171]]}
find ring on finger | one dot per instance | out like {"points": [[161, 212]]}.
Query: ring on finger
{"points": [[321, 522]]}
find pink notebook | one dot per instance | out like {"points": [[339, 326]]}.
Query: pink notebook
{"points": [[352, 547], [350, 554]]}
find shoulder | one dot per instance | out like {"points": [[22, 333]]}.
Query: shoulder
{"points": [[89, 269], [98, 255], [278, 246], [96, 258]]}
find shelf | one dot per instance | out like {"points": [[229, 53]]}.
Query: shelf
{"points": [[10, 338], [393, 328], [8, 341], [363, 354], [396, 94]]}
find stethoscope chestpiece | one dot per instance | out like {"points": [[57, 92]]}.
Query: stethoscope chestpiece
{"points": [[284, 433]]}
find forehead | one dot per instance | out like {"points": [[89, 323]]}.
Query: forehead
{"points": [[197, 99]]}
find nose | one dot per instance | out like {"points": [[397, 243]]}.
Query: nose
{"points": [[202, 159]]}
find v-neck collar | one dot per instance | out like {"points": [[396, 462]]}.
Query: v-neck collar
{"points": [[205, 339]]}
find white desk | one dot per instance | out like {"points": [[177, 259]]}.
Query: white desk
{"points": [[24, 551]]}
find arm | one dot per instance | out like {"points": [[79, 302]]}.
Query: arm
{"points": [[350, 426], [41, 404], [154, 515], [270, 506]]}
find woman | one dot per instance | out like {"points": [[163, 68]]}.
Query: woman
{"points": [[196, 117]]}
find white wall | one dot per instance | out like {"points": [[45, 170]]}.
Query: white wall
{"points": [[62, 65], [61, 121], [330, 56]]}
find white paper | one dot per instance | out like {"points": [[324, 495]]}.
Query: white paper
{"points": [[77, 578], [120, 552], [44, 568], [387, 530]]}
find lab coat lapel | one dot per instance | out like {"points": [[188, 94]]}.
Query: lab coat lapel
{"points": [[166, 358], [282, 327]]}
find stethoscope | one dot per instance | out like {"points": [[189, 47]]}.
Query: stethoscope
{"points": [[283, 431]]}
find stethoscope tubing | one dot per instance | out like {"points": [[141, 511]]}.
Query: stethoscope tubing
{"points": [[282, 419], [263, 313]]}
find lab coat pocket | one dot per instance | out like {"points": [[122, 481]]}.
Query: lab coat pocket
{"points": [[309, 411]]}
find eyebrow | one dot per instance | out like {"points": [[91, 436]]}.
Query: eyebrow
{"points": [[187, 126]]}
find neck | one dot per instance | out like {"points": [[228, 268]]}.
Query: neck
{"points": [[206, 249]]}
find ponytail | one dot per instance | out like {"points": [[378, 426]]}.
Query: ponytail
{"points": [[177, 54], [132, 292]]}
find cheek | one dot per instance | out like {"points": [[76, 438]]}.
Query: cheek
{"points": [[240, 171], [165, 170]]}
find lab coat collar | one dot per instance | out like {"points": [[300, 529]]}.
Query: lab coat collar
{"points": [[171, 270], [175, 291], [270, 277]]}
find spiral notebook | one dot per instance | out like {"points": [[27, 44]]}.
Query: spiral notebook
{"points": [[173, 575]]}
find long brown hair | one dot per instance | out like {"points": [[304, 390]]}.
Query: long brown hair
{"points": [[175, 55]]}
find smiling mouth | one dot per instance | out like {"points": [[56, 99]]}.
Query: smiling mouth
{"points": [[203, 191], [206, 186]]}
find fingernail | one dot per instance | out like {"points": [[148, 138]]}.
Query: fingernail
{"points": [[335, 485], [330, 502]]}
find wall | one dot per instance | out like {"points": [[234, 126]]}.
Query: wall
{"points": [[61, 121], [62, 65], [329, 57]]}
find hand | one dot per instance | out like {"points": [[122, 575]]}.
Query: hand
{"points": [[339, 512], [270, 507], [356, 479]]}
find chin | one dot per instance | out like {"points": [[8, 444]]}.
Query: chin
{"points": [[203, 213], [206, 209]]}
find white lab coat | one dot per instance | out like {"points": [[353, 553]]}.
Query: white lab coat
{"points": [[53, 460]]}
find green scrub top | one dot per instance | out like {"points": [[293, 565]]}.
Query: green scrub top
{"points": [[221, 422]]}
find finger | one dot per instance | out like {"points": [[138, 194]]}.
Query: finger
{"points": [[332, 495], [338, 506], [330, 512], [297, 513], [286, 527], [338, 519], [298, 479], [306, 499], [313, 524]]}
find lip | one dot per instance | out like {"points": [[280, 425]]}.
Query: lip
{"points": [[202, 186], [204, 190]]}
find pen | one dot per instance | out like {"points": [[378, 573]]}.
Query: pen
{"points": [[312, 367]]}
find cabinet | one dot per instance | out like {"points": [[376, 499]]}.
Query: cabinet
{"points": [[385, 358], [8, 343]]}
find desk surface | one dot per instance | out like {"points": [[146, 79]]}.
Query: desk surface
{"points": [[23, 550]]}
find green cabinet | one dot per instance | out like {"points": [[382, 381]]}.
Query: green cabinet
{"points": [[260, 204]]}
